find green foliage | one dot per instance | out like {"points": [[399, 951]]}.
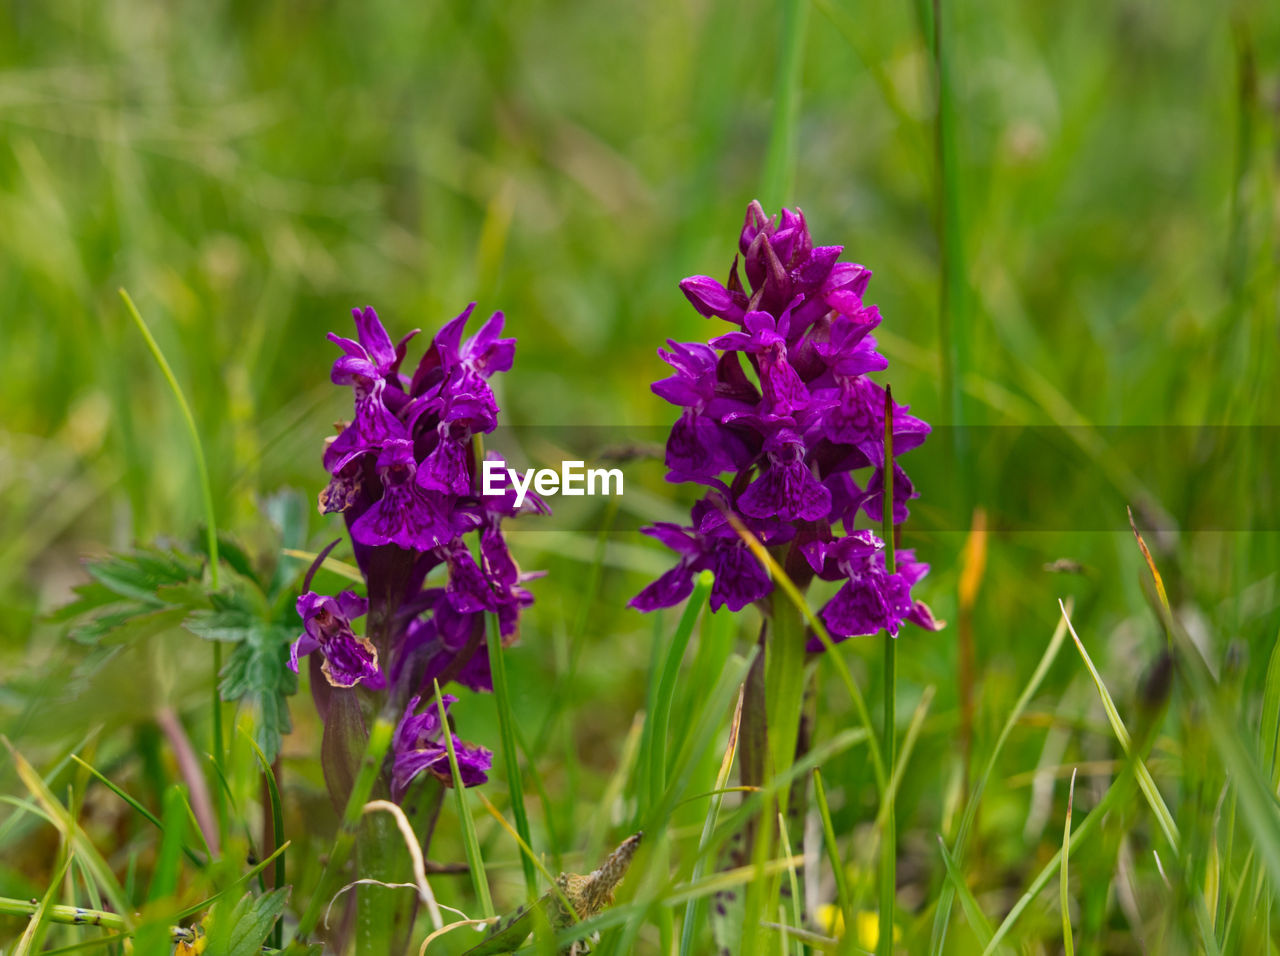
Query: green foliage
{"points": [[242, 928], [1070, 213], [257, 672]]}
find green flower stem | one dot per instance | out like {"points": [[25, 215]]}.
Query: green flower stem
{"points": [[888, 747], [371, 764], [784, 687]]}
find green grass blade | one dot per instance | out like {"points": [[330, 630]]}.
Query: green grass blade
{"points": [[136, 806], [32, 936], [211, 529], [277, 824], [475, 860], [77, 842], [1145, 782], [779, 166], [977, 919], [1092, 820], [833, 851], [1270, 730], [699, 740], [510, 755], [1064, 896], [943, 913], [797, 917], [660, 714], [164, 881], [908, 746], [692, 908]]}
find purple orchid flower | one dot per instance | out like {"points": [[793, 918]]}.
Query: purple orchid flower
{"points": [[419, 746], [326, 627]]}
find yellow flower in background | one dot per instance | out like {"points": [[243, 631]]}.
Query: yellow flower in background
{"points": [[831, 919], [866, 925]]}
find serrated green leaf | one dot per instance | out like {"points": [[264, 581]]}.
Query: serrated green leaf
{"points": [[140, 574], [241, 930], [135, 624], [91, 596], [257, 674], [289, 512], [233, 555], [226, 626]]}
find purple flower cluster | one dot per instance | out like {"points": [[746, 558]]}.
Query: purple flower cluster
{"points": [[776, 416], [404, 475]]}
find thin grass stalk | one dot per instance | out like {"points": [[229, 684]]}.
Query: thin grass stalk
{"points": [[953, 297], [833, 851], [271, 791], [138, 808], [475, 860], [690, 921], [211, 534], [1064, 895], [888, 843], [943, 913], [511, 756], [666, 688]]}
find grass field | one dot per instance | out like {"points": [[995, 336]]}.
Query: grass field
{"points": [[1071, 212]]}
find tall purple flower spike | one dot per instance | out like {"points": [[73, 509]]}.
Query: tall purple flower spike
{"points": [[780, 456], [404, 476]]}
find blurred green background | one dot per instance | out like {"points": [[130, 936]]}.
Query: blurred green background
{"points": [[250, 171]]}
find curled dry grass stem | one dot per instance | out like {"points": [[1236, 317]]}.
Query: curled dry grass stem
{"points": [[415, 855]]}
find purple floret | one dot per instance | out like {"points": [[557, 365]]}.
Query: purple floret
{"points": [[419, 746]]}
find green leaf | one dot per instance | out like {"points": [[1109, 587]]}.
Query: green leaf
{"points": [[289, 511], [228, 621], [140, 574], [257, 674], [127, 627], [243, 929]]}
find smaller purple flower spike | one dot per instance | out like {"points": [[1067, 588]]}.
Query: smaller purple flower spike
{"points": [[419, 745], [326, 623]]}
